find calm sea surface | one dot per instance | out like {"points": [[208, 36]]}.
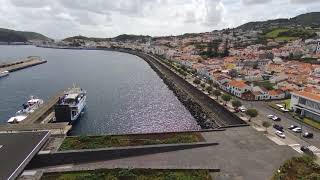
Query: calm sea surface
{"points": [[124, 94]]}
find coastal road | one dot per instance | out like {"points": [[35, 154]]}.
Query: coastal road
{"points": [[286, 120]]}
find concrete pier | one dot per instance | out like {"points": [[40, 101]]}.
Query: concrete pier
{"points": [[39, 120], [22, 64]]}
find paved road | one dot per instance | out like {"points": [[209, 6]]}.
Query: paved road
{"points": [[242, 153], [287, 120]]}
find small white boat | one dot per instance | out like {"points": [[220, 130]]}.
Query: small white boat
{"points": [[4, 73], [29, 107]]}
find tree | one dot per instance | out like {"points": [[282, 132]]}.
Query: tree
{"points": [[210, 82], [226, 98], [203, 85], [216, 85], [252, 113], [266, 124], [197, 81], [236, 104], [216, 93], [209, 89]]}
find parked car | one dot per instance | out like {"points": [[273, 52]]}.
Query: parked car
{"points": [[297, 130], [243, 109], [278, 127], [275, 118], [270, 116], [292, 127], [279, 105], [284, 110], [280, 134], [307, 135]]}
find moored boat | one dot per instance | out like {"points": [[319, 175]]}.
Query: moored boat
{"points": [[4, 73], [71, 105], [29, 107]]}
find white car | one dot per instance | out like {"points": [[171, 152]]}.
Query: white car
{"points": [[276, 118], [297, 130], [242, 109], [284, 110], [270, 116], [280, 134], [279, 105]]}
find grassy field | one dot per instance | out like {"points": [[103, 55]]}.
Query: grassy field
{"points": [[133, 174], [94, 142], [275, 32], [298, 168], [287, 103], [265, 84]]}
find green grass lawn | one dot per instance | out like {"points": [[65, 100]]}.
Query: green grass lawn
{"points": [[94, 142], [265, 84], [298, 168], [312, 122], [275, 32], [130, 174], [287, 102]]}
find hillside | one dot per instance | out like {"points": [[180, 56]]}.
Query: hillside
{"points": [[122, 38], [8, 35], [308, 19]]}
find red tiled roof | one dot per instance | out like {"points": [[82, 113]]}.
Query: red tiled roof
{"points": [[308, 95], [238, 84]]}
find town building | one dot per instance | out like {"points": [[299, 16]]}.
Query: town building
{"points": [[306, 104]]}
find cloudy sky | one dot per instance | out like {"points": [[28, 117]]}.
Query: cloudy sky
{"points": [[108, 18]]}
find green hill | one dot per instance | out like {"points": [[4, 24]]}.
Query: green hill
{"points": [[8, 35], [305, 20]]}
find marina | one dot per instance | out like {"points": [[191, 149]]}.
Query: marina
{"points": [[115, 82]]}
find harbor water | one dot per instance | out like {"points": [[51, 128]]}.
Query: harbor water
{"points": [[124, 95]]}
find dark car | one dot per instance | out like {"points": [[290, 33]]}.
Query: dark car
{"points": [[292, 127], [278, 127], [307, 135], [304, 148]]}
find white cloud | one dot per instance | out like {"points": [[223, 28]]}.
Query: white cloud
{"points": [[101, 18]]}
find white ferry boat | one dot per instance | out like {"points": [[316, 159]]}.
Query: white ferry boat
{"points": [[71, 105], [29, 107], [4, 73]]}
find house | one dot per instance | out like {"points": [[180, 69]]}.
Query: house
{"points": [[237, 88], [306, 104], [276, 94]]}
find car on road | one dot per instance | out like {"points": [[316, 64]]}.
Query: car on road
{"points": [[307, 135], [292, 127], [280, 134], [270, 116], [284, 110], [279, 105], [242, 109], [275, 118], [297, 130], [278, 127], [304, 148]]}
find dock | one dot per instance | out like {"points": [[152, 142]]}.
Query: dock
{"points": [[54, 128], [22, 64], [40, 120], [44, 111]]}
